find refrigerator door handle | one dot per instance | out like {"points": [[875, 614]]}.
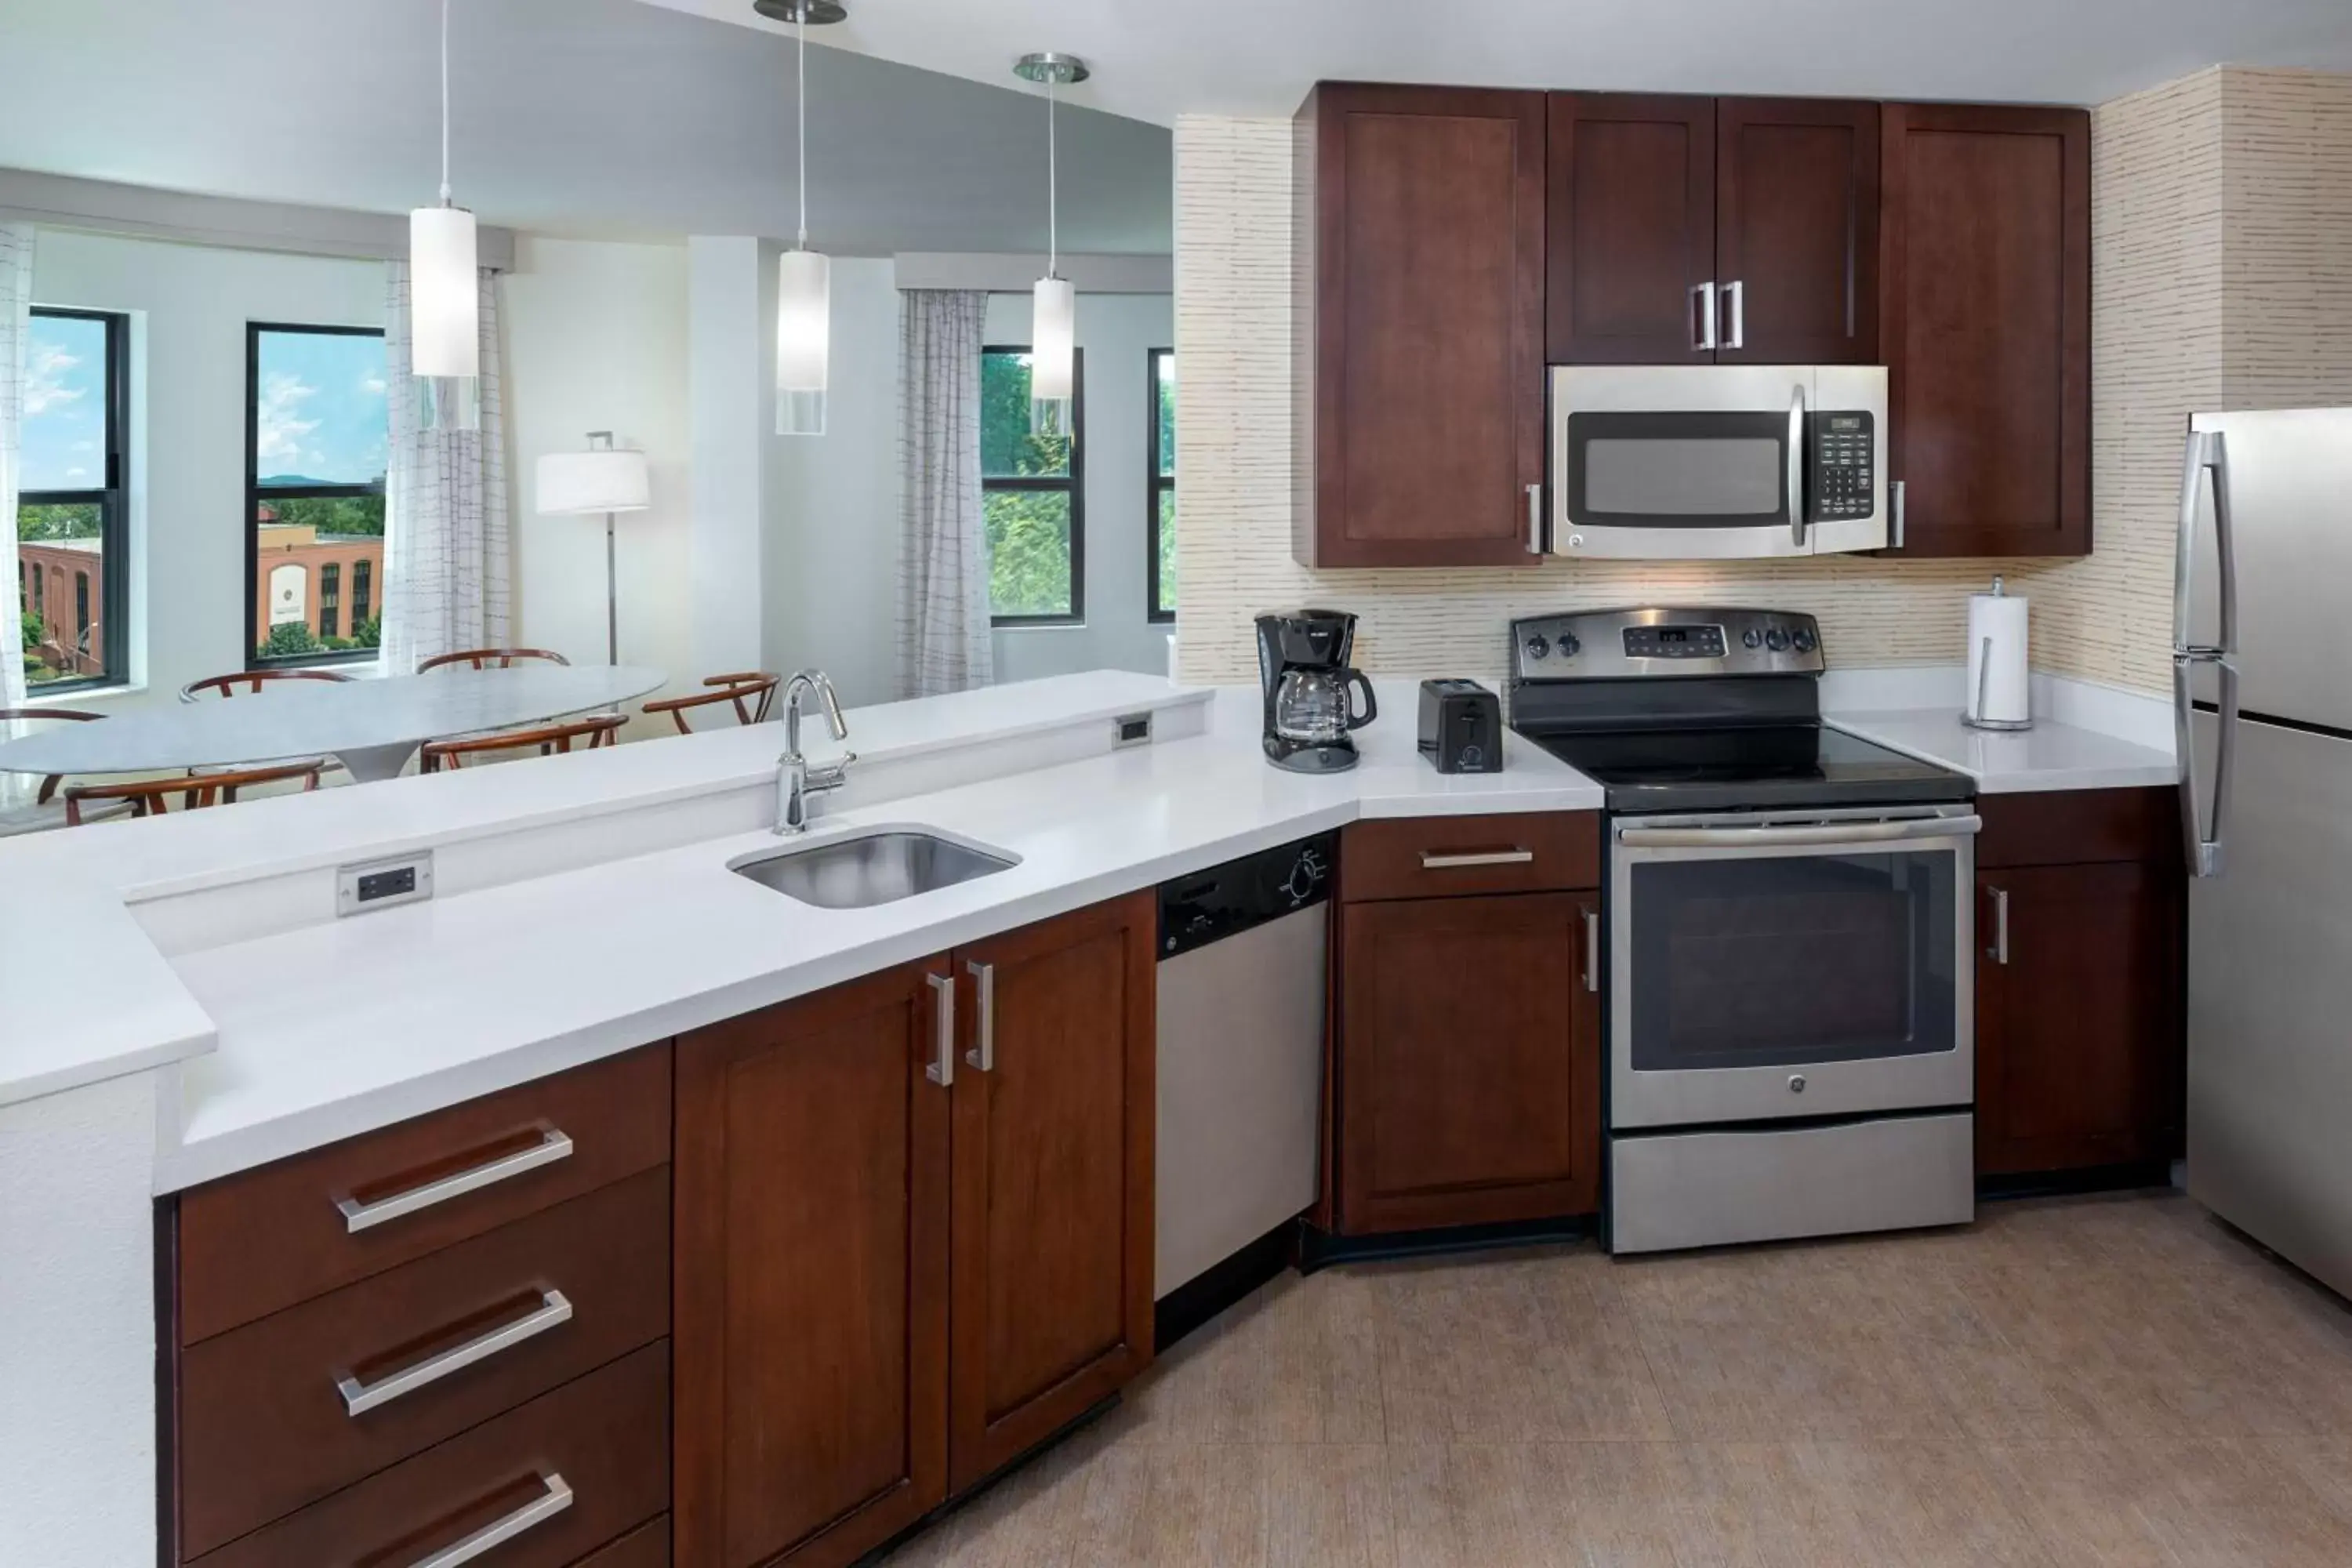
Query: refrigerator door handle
{"points": [[2204, 853], [2208, 450]]}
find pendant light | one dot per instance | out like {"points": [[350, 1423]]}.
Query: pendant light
{"points": [[444, 298], [1053, 328], [804, 277]]}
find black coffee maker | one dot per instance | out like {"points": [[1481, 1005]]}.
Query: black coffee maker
{"points": [[1302, 663]]}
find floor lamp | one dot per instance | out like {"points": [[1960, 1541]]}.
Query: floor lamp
{"points": [[602, 479]]}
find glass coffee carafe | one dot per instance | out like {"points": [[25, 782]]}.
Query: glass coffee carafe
{"points": [[1311, 706]]}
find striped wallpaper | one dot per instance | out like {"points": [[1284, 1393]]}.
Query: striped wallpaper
{"points": [[2222, 272]]}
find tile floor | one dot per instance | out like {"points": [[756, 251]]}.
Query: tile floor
{"points": [[2088, 1383]]}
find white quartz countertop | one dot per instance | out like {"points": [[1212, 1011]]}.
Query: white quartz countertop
{"points": [[2050, 757]]}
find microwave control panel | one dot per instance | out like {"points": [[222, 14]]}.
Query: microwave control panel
{"points": [[1843, 478]]}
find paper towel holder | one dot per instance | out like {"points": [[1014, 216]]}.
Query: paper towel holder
{"points": [[1984, 674]]}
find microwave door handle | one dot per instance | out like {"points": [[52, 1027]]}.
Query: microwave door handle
{"points": [[1796, 475]]}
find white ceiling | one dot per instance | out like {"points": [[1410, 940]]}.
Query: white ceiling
{"points": [[1159, 59], [584, 117]]}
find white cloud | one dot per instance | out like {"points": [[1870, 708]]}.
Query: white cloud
{"points": [[84, 446], [44, 373], [277, 429], [373, 385], [76, 473]]}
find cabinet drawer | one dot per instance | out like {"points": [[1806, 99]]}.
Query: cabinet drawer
{"points": [[279, 1413], [647, 1546], [253, 1243], [601, 1439], [2075, 827], [1440, 856]]}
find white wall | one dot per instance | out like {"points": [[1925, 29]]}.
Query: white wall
{"points": [[190, 305], [596, 338]]}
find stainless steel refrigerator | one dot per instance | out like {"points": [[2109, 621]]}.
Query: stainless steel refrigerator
{"points": [[2262, 700]]}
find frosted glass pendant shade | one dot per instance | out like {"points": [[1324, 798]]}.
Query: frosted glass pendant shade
{"points": [[444, 308], [804, 340], [1053, 356]]}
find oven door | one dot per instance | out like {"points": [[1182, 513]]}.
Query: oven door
{"points": [[1780, 965]]}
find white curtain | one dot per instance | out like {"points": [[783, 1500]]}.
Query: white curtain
{"points": [[15, 315], [448, 555], [943, 534]]}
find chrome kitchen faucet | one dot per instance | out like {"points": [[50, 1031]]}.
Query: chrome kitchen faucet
{"points": [[795, 780]]}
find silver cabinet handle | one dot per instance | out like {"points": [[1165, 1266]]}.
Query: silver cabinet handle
{"points": [[553, 1145], [983, 1057], [2207, 453], [1592, 951], [1998, 950], [1431, 860], [1895, 489], [1823, 834], [1535, 520], [359, 1398], [1703, 314], [1735, 304], [538, 1511], [2204, 853], [941, 1070], [1796, 475]]}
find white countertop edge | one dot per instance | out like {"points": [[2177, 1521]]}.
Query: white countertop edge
{"points": [[2049, 757], [169, 1051]]}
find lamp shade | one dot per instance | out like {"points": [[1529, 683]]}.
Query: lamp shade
{"points": [[1053, 356], [592, 481], [804, 340], [444, 310]]}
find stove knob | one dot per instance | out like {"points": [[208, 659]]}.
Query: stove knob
{"points": [[1751, 637], [1776, 639], [1805, 640], [1569, 647], [1536, 647]]}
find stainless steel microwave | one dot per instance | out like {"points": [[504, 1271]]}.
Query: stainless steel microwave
{"points": [[1718, 462]]}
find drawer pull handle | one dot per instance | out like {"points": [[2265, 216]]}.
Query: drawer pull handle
{"points": [[538, 1511], [1431, 860], [552, 1146], [359, 1398]]}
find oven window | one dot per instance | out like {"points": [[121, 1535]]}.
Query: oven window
{"points": [[1667, 470], [1788, 960]]}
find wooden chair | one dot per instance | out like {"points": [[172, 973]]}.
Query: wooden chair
{"points": [[597, 729], [251, 680], [149, 797], [46, 810], [739, 689], [488, 657]]}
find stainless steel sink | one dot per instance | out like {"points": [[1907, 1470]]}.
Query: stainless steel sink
{"points": [[871, 868]]}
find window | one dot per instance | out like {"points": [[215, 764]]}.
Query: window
{"points": [[318, 430], [1160, 490], [1033, 491], [70, 518]]}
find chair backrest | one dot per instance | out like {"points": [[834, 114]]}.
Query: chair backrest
{"points": [[489, 658], [597, 729], [752, 691], [251, 680], [67, 715], [147, 796]]}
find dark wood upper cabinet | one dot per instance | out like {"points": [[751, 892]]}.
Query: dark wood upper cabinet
{"points": [[1985, 320], [1420, 242], [1796, 231], [810, 1278], [1053, 1178], [1630, 226]]}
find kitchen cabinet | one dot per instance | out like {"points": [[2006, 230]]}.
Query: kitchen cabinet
{"points": [[1985, 317], [914, 1234], [1420, 254], [2080, 990], [1469, 1042], [1698, 230]]}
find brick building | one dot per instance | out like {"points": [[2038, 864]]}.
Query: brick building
{"points": [[65, 590], [332, 583]]}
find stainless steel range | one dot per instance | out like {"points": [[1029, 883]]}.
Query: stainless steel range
{"points": [[1789, 930]]}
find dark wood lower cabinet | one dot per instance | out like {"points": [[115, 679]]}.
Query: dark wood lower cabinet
{"points": [[1469, 1061], [2079, 1029], [810, 1305]]}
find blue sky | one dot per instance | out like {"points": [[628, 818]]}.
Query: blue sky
{"points": [[64, 432]]}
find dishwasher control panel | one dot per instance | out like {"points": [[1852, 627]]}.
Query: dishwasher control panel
{"points": [[1226, 899]]}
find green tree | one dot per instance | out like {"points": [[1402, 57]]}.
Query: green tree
{"points": [[32, 631], [370, 635], [352, 516], [75, 520], [1028, 530], [287, 638]]}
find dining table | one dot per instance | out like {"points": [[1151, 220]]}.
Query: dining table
{"points": [[372, 726]]}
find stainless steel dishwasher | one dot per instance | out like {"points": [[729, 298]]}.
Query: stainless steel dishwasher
{"points": [[1242, 953]]}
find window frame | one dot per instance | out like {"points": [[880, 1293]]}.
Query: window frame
{"points": [[112, 500], [254, 494], [1073, 482], [1155, 485]]}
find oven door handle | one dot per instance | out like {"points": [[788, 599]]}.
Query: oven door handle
{"points": [[1827, 833]]}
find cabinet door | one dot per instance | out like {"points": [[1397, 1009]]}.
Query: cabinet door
{"points": [[1053, 1177], [811, 1317], [2079, 1033], [1796, 230], [1631, 228], [1470, 1062], [1427, 255], [1985, 319]]}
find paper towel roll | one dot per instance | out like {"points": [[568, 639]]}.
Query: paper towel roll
{"points": [[2000, 694]]}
